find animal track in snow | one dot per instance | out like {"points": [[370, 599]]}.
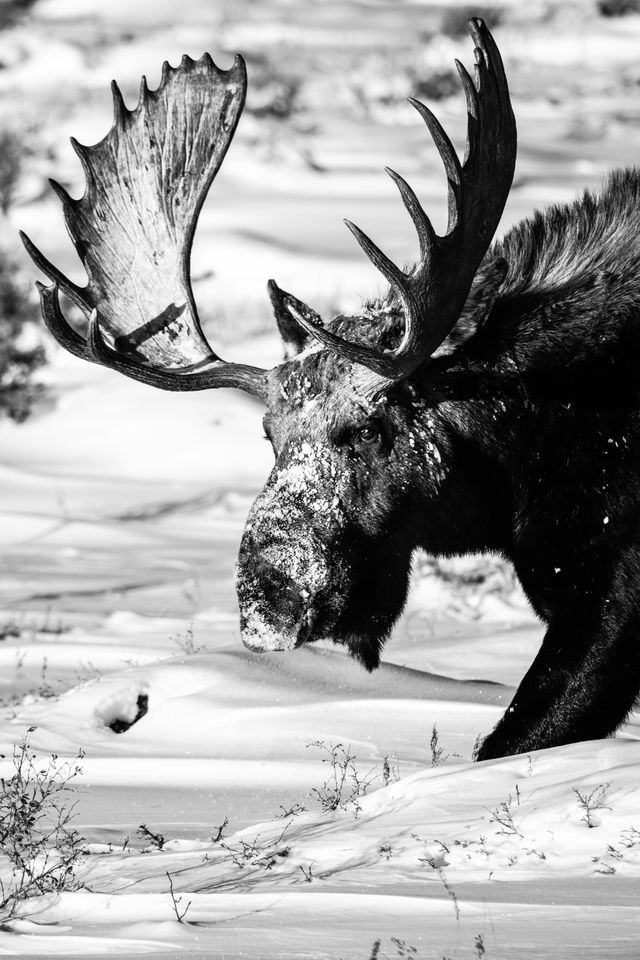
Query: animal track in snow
{"points": [[121, 710]]}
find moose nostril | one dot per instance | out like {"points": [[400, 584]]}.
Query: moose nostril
{"points": [[274, 587]]}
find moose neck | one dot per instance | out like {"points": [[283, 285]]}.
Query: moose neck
{"points": [[479, 423]]}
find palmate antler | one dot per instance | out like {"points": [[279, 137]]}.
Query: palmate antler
{"points": [[147, 180], [134, 226], [433, 294]]}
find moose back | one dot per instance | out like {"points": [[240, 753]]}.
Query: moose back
{"points": [[489, 401]]}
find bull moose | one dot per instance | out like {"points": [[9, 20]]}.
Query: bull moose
{"points": [[487, 402]]}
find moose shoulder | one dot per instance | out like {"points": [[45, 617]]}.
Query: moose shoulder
{"points": [[488, 402]]}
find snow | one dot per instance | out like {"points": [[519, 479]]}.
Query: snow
{"points": [[123, 508]]}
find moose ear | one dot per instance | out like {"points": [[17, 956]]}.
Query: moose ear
{"points": [[294, 337], [485, 289]]}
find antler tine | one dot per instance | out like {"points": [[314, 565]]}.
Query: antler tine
{"points": [[72, 290], [469, 87], [120, 110], [81, 153], [443, 143], [387, 267], [133, 229], [60, 329], [144, 92], [60, 192], [433, 294], [448, 155], [424, 227]]}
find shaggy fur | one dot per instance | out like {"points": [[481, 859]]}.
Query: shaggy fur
{"points": [[519, 437]]}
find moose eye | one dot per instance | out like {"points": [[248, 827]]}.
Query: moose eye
{"points": [[367, 435]]}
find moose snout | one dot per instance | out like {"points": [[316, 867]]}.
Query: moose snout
{"points": [[260, 635], [278, 597]]}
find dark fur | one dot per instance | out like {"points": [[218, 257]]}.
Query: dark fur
{"points": [[532, 407]]}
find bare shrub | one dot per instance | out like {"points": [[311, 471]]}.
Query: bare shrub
{"points": [[345, 785], [435, 86], [592, 802], [18, 361], [253, 853], [155, 840], [390, 771], [12, 151], [18, 357], [9, 628], [187, 642], [273, 93], [503, 816], [39, 850], [176, 901], [217, 836], [437, 752], [293, 811], [630, 837], [12, 11], [618, 8]]}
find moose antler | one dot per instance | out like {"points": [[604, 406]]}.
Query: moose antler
{"points": [[133, 230], [433, 294]]}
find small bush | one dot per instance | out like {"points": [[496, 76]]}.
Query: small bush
{"points": [[12, 11], [18, 361], [156, 840], [12, 152], [186, 642], [502, 815], [618, 8], [345, 785], [176, 901], [18, 357], [9, 628], [455, 22], [253, 853], [592, 802], [438, 755], [438, 86], [271, 92], [39, 850]]}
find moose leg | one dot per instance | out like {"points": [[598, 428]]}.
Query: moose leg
{"points": [[583, 682]]}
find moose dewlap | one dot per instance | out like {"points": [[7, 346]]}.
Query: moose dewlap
{"points": [[489, 401]]}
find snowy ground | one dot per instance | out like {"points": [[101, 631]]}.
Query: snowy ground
{"points": [[122, 510]]}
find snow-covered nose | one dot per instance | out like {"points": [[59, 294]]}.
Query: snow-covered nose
{"points": [[278, 585], [285, 565]]}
